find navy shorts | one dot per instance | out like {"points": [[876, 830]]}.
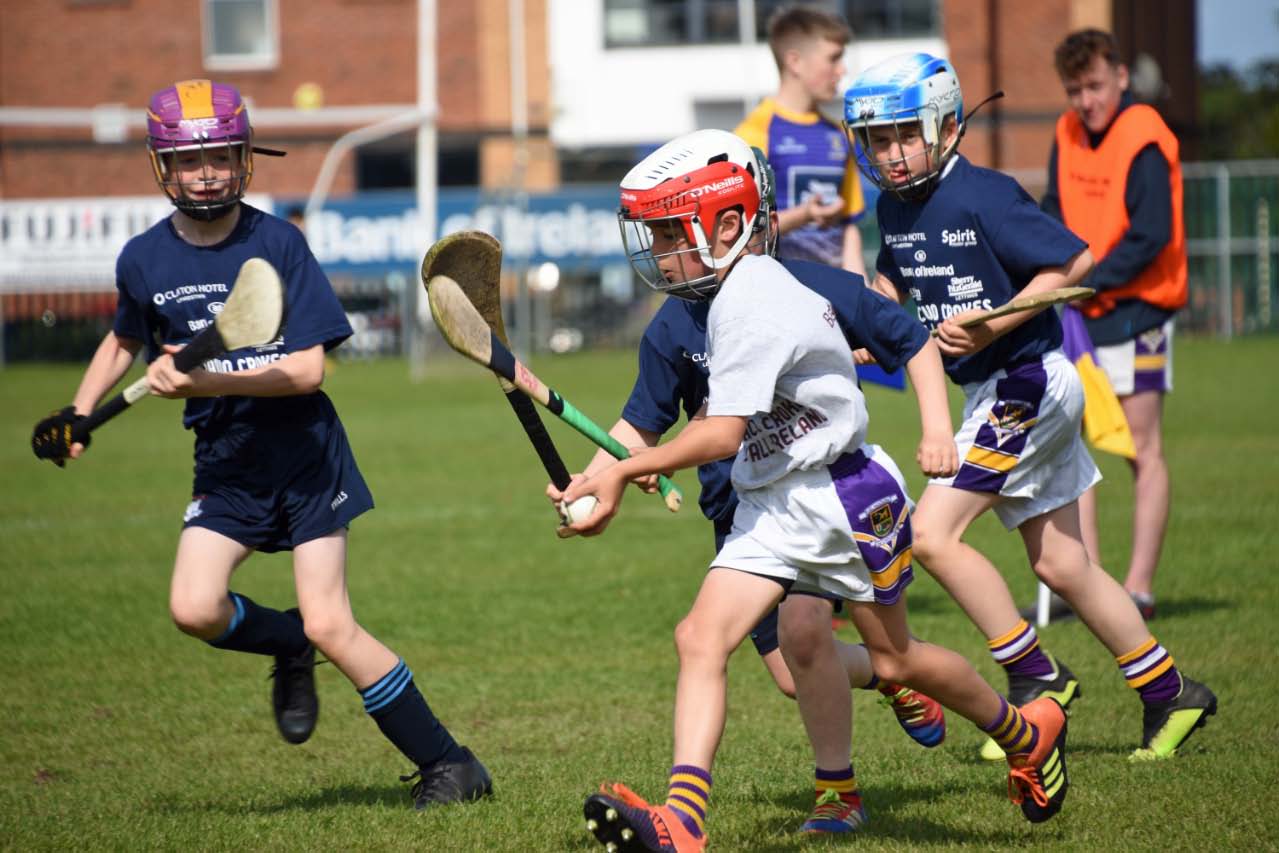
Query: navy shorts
{"points": [[272, 487], [763, 635]]}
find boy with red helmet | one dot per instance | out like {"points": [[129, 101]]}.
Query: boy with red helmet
{"points": [[819, 508]]}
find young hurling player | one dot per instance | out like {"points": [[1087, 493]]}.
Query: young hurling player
{"points": [[958, 238], [819, 510], [273, 469], [673, 375]]}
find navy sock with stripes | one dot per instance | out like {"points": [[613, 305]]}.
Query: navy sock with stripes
{"points": [[402, 714], [261, 630]]}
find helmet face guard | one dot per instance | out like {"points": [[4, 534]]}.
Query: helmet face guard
{"points": [[671, 204], [201, 148], [905, 97]]}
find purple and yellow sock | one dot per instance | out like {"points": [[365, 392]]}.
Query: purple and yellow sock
{"points": [[842, 782], [1014, 734], [1018, 652], [1149, 670], [688, 794]]}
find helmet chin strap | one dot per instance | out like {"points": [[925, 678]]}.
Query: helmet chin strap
{"points": [[704, 248], [206, 213], [963, 128]]}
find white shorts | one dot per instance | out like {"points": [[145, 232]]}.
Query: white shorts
{"points": [[841, 530], [1020, 439], [1142, 364]]}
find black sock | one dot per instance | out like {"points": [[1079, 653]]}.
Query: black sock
{"points": [[261, 630], [402, 714]]}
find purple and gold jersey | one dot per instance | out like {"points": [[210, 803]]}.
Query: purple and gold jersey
{"points": [[810, 155], [974, 243], [170, 290]]}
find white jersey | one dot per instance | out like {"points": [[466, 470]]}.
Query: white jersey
{"points": [[778, 357]]}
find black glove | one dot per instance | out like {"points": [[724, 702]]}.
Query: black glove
{"points": [[51, 439]]}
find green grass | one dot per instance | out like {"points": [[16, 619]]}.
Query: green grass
{"points": [[553, 660]]}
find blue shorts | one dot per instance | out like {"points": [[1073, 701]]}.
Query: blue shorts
{"points": [[764, 635], [274, 487]]}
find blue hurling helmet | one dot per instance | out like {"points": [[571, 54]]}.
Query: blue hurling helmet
{"points": [[905, 90]]}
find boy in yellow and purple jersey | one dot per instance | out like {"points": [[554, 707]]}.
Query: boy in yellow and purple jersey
{"points": [[819, 196]]}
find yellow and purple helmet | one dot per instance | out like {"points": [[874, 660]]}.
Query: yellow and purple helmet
{"points": [[188, 123]]}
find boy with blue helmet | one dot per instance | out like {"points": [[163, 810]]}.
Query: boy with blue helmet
{"points": [[957, 239], [819, 510]]}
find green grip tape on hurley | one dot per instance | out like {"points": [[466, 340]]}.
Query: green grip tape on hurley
{"points": [[670, 492]]}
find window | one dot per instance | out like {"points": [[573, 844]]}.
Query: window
{"points": [[870, 19], [886, 19], [636, 23], [241, 35], [726, 114]]}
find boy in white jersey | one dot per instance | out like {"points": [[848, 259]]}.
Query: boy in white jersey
{"points": [[820, 510]]}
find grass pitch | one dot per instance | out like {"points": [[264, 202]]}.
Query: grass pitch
{"points": [[553, 660]]}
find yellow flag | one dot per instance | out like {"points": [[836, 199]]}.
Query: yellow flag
{"points": [[1104, 421]]}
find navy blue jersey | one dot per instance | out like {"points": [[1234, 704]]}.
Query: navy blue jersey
{"points": [[975, 242], [673, 370], [170, 290]]}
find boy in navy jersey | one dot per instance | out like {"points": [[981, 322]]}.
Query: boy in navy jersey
{"points": [[958, 239], [819, 509], [273, 469]]}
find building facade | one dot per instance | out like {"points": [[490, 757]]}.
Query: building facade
{"points": [[539, 106]]}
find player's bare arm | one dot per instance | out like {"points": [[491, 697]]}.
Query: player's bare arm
{"points": [[884, 286], [954, 340], [109, 364], [703, 440], [853, 260], [937, 455], [813, 211], [297, 373], [634, 439]]}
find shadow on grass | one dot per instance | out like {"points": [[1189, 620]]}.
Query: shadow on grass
{"points": [[1073, 747], [1167, 608], [891, 818], [328, 798], [1173, 608]]}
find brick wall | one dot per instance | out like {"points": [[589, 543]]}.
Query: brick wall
{"points": [[1008, 45], [80, 53]]}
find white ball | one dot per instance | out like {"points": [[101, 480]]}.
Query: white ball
{"points": [[579, 510]]}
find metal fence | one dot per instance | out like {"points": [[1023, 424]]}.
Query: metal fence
{"points": [[1231, 210]]}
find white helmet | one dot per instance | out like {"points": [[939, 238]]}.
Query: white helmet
{"points": [[914, 87], [688, 182]]}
